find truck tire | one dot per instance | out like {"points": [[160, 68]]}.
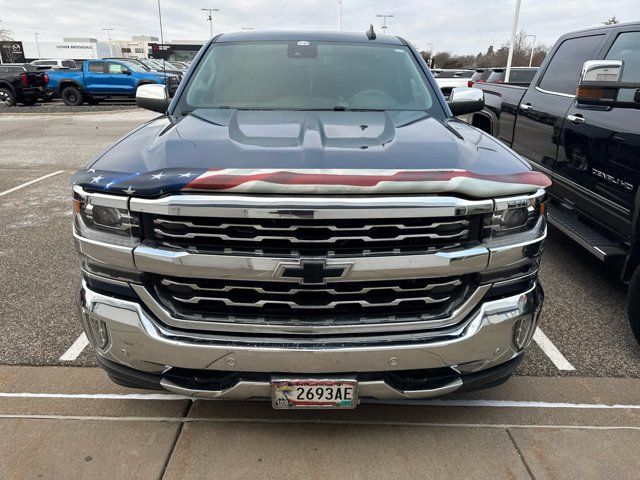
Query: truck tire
{"points": [[7, 98], [72, 96], [633, 304]]}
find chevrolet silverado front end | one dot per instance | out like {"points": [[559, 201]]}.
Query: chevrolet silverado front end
{"points": [[317, 241]]}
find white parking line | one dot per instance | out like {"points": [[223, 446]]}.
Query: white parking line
{"points": [[551, 351], [76, 349], [462, 403], [30, 182]]}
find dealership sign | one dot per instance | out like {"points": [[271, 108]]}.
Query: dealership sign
{"points": [[11, 52]]}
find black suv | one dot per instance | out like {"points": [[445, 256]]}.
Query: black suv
{"points": [[22, 83]]}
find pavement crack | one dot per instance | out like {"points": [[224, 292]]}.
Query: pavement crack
{"points": [[185, 414], [524, 461]]}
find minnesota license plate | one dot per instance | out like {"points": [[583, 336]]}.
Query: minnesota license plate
{"points": [[314, 393]]}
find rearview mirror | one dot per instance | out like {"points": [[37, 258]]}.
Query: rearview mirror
{"points": [[153, 97], [601, 84], [466, 100]]}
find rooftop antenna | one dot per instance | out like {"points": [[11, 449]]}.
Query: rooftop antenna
{"points": [[371, 33]]}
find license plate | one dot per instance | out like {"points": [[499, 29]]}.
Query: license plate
{"points": [[314, 393]]}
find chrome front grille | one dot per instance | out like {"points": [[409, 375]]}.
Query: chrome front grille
{"points": [[286, 302], [293, 237], [310, 266]]}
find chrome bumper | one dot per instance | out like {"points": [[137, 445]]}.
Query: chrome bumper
{"points": [[136, 340]]}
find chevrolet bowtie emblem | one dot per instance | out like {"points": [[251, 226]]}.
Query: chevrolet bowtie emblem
{"points": [[311, 272]]}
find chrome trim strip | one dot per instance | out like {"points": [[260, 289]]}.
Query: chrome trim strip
{"points": [[102, 199], [377, 389], [566, 95], [402, 267], [518, 201], [194, 300], [512, 255], [100, 278], [292, 228], [105, 253], [242, 326], [241, 206], [295, 240], [291, 291]]}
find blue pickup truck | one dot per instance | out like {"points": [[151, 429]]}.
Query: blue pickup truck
{"points": [[98, 79]]}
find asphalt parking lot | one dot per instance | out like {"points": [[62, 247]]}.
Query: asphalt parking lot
{"points": [[584, 334]]}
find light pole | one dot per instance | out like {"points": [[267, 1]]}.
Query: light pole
{"points": [[160, 18], [210, 17], [108, 30], [514, 29], [339, 15], [384, 21], [37, 44], [533, 44]]}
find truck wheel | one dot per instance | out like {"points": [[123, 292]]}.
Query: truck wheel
{"points": [[633, 304], [7, 99], [72, 97]]}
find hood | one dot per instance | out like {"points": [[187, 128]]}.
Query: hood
{"points": [[233, 151]]}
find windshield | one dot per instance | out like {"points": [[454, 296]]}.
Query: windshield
{"points": [[309, 76]]}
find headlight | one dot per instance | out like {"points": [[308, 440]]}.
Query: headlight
{"points": [[105, 218], [514, 215]]}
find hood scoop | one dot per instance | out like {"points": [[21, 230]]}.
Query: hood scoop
{"points": [[277, 129]]}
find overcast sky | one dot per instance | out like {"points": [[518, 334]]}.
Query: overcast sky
{"points": [[457, 26]]}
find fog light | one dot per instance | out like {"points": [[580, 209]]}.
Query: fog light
{"points": [[522, 332], [99, 332]]}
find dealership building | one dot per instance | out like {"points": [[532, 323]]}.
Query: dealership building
{"points": [[86, 48]]}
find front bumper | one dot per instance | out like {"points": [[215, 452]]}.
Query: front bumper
{"points": [[483, 342]]}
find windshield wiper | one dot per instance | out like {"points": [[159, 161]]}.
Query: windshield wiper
{"points": [[342, 108]]}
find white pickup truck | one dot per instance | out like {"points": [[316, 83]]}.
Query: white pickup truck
{"points": [[447, 80]]}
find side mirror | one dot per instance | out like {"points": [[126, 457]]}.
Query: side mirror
{"points": [[602, 71], [601, 85], [127, 72], [466, 100], [153, 97]]}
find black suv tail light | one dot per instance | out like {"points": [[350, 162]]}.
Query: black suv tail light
{"points": [[24, 79]]}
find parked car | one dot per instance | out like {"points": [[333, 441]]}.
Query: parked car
{"points": [[296, 227], [21, 83], [56, 63], [481, 75], [99, 79], [447, 80], [519, 75], [590, 148]]}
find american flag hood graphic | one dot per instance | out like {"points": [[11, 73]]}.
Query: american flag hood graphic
{"points": [[310, 181]]}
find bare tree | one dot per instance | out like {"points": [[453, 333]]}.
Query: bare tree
{"points": [[6, 34], [612, 21]]}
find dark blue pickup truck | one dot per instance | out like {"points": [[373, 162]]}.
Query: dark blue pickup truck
{"points": [[98, 79], [297, 226]]}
